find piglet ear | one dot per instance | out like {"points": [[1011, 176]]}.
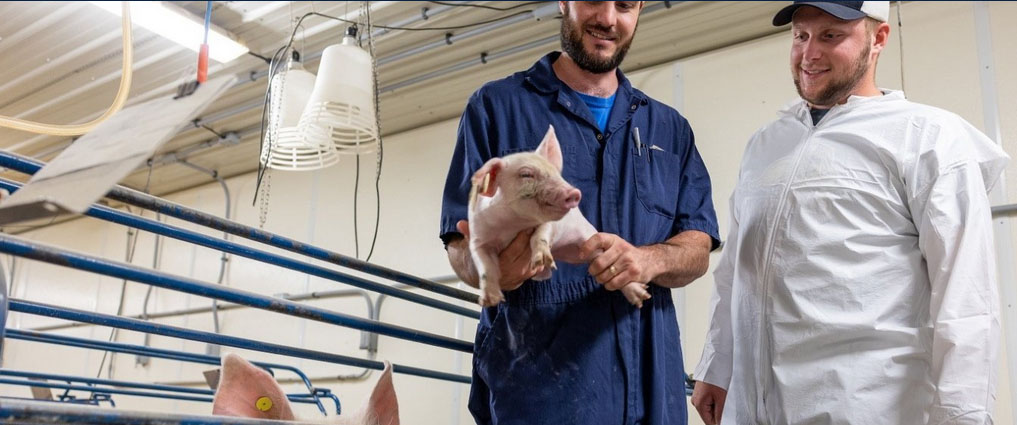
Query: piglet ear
{"points": [[484, 180], [248, 391], [383, 405], [550, 148]]}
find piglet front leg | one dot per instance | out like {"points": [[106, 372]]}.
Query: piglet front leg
{"points": [[540, 246], [486, 260]]}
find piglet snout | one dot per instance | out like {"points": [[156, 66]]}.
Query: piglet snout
{"points": [[570, 198]]}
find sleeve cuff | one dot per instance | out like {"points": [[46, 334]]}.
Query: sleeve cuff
{"points": [[702, 226]]}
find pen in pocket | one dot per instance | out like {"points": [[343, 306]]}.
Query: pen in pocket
{"points": [[639, 143]]}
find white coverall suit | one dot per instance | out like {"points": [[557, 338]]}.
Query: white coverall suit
{"points": [[858, 281]]}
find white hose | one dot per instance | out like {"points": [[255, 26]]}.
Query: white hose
{"points": [[118, 102]]}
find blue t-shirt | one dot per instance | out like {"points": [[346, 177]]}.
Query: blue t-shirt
{"points": [[600, 107]]}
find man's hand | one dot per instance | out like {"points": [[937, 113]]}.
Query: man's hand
{"points": [[617, 263], [673, 263], [513, 261], [709, 401]]}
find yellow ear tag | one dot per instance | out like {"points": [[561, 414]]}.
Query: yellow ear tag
{"points": [[486, 183], [263, 404]]}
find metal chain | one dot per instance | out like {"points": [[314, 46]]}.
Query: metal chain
{"points": [[266, 187]]}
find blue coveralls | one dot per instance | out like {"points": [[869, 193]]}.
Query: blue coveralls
{"points": [[567, 351]]}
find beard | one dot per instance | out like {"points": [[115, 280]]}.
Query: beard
{"points": [[839, 88], [572, 44]]}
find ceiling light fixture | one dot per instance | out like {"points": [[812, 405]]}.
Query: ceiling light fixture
{"points": [[180, 26], [341, 109]]}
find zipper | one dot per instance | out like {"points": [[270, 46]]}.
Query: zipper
{"points": [[764, 344]]}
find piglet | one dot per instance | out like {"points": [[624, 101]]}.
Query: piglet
{"points": [[248, 391], [525, 191]]}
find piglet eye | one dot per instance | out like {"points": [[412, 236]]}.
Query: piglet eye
{"points": [[526, 174]]}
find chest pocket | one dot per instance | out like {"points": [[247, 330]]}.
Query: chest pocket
{"points": [[657, 175]]}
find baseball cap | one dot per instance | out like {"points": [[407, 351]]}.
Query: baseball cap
{"points": [[844, 10]]}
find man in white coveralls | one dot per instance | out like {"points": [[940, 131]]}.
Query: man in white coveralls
{"points": [[858, 281]]}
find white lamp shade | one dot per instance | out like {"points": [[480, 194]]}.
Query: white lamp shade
{"points": [[295, 85], [340, 111], [286, 148]]}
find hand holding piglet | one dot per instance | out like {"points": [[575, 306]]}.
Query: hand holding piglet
{"points": [[525, 191]]}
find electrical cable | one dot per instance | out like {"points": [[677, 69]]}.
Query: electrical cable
{"points": [[132, 243], [377, 124], [267, 60], [216, 133], [118, 101], [356, 228]]}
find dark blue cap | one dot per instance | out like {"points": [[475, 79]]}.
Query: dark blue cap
{"points": [[843, 10]]}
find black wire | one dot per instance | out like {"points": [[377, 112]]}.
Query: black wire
{"points": [[356, 229], [381, 144], [220, 135], [267, 60], [262, 169], [133, 244], [480, 6]]}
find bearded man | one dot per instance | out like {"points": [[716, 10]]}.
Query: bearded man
{"points": [[858, 282], [572, 350]]}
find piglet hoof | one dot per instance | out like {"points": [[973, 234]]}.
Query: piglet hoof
{"points": [[543, 258], [635, 294], [491, 297]]}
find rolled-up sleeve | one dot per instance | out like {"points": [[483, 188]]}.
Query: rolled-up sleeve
{"points": [[695, 201]]}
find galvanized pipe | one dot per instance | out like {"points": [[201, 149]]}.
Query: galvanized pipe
{"points": [[40, 309], [138, 199], [1004, 210], [466, 64], [453, 38], [316, 295], [222, 307]]}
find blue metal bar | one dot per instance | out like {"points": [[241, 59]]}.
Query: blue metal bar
{"points": [[171, 355], [167, 391], [94, 401], [133, 197], [149, 225], [142, 350], [4, 300], [27, 249], [98, 381], [31, 307], [106, 390], [35, 412]]}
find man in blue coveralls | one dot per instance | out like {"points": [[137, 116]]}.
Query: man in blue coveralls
{"points": [[572, 350]]}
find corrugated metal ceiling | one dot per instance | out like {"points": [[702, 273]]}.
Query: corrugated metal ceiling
{"points": [[60, 63]]}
